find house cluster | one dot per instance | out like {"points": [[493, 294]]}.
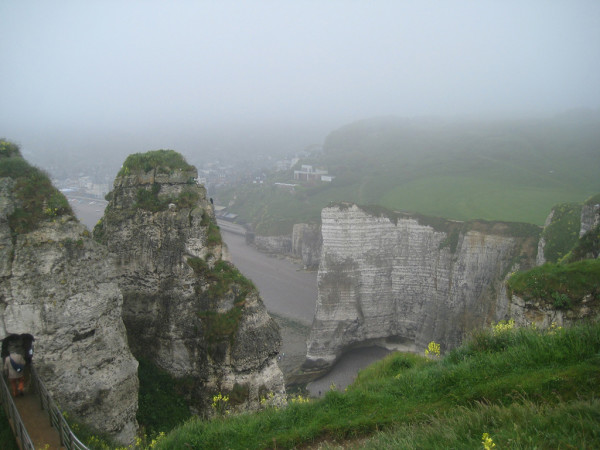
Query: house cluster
{"points": [[84, 185], [286, 164], [309, 173]]}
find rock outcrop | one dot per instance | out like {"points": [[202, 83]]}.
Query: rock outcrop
{"points": [[60, 286], [186, 308], [401, 281], [590, 215], [544, 315], [280, 245], [306, 244]]}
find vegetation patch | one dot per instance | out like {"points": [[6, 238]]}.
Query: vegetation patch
{"points": [[560, 285], [161, 399], [563, 231], [163, 161], [593, 200], [213, 235], [224, 279], [9, 149], [543, 381], [198, 265], [588, 246], [221, 326], [151, 200], [38, 200]]}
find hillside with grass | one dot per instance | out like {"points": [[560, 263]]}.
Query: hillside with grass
{"points": [[522, 388], [503, 170]]}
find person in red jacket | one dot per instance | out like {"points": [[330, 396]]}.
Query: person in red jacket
{"points": [[14, 367]]}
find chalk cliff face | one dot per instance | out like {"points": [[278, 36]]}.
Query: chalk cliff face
{"points": [[403, 281], [186, 308], [306, 244], [60, 286]]}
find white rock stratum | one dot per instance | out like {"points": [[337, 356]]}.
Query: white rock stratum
{"points": [[402, 281]]}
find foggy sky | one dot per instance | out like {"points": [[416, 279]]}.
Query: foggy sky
{"points": [[159, 74]]}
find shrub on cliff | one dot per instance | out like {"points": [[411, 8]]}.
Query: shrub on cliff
{"points": [[37, 199]]}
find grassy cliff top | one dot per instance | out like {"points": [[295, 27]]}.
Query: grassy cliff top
{"points": [[164, 161], [546, 382], [37, 199]]}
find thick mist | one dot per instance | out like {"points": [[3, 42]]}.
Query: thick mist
{"points": [[235, 78]]}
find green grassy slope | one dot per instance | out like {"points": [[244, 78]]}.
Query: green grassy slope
{"points": [[524, 387], [505, 170]]}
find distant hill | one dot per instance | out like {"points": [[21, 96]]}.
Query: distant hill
{"points": [[511, 170]]}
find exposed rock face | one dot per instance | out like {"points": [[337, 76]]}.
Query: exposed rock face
{"points": [[60, 286], [306, 244], [541, 259], [401, 283], [590, 217], [281, 245], [543, 315], [181, 309]]}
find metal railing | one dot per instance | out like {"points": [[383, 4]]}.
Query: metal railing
{"points": [[14, 418], [57, 420]]}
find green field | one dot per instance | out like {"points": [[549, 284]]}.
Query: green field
{"points": [[510, 171]]}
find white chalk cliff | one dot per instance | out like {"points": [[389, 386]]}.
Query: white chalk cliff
{"points": [[401, 281]]}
